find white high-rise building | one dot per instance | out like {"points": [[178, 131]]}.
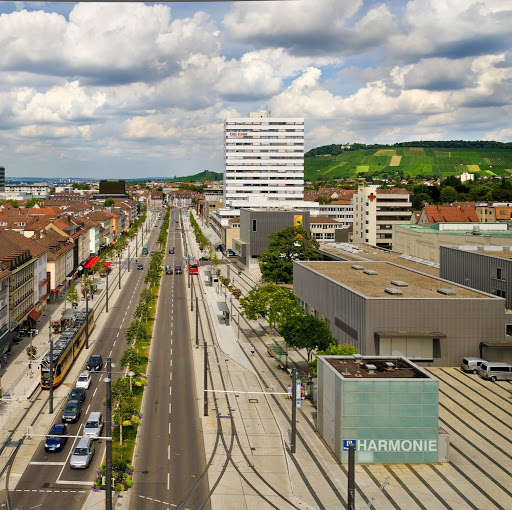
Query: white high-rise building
{"points": [[264, 161]]}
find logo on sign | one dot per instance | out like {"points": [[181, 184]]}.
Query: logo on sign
{"points": [[347, 443]]}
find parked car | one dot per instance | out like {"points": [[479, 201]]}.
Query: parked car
{"points": [[156, 226], [177, 270], [84, 380], [494, 371], [82, 454], [56, 438], [95, 363], [152, 252], [471, 364], [78, 394], [94, 425], [140, 266], [72, 411], [171, 251]]}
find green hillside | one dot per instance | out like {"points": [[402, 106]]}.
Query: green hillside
{"points": [[206, 175], [409, 161]]}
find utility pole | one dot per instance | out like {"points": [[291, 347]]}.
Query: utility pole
{"points": [[128, 256], [87, 319], [108, 427], [50, 402], [294, 408], [351, 499], [106, 296], [119, 255], [197, 322], [205, 382], [191, 293]]}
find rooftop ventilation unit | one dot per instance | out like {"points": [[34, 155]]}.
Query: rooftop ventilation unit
{"points": [[371, 368], [393, 292], [399, 283], [356, 267], [370, 271], [389, 365], [447, 292]]}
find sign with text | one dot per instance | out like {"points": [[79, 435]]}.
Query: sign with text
{"points": [[392, 445], [298, 393]]}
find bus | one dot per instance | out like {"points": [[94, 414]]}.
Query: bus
{"points": [[145, 250], [66, 349], [193, 266]]}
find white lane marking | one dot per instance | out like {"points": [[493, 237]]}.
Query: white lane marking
{"points": [[88, 407], [168, 480], [170, 408], [95, 390], [117, 334], [170, 391], [110, 355], [169, 452], [169, 428], [35, 463], [114, 343]]}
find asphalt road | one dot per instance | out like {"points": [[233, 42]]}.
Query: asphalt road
{"points": [[48, 482], [170, 455]]}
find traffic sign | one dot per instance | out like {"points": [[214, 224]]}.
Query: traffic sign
{"points": [[298, 394], [349, 442]]}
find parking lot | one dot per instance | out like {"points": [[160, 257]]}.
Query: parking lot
{"points": [[477, 415]]}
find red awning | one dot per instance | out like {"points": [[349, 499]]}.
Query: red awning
{"points": [[107, 264], [34, 315], [91, 262]]}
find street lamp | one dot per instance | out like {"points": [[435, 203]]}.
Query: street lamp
{"points": [[108, 438], [131, 374], [119, 255]]}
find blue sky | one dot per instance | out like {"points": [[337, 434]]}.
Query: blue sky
{"points": [[132, 90]]}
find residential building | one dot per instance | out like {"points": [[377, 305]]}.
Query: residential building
{"points": [[424, 241], [106, 222], [493, 212], [431, 214], [384, 309], [156, 200], [339, 210], [6, 337], [36, 190], [376, 211], [93, 229], [264, 160], [2, 178], [324, 229]]}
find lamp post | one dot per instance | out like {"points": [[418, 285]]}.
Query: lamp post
{"points": [[130, 374], [108, 426], [128, 257], [205, 380], [119, 255], [87, 318], [106, 295]]}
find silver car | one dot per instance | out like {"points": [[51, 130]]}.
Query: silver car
{"points": [[82, 454], [94, 425]]}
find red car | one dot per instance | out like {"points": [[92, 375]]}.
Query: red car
{"points": [[177, 270]]}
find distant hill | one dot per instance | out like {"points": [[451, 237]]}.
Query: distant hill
{"points": [[428, 159], [206, 175]]}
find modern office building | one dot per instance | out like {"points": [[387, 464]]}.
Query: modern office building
{"points": [[387, 407], [2, 178], [376, 211], [385, 309], [264, 160]]}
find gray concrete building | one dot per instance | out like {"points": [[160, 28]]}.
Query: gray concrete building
{"points": [[257, 224], [389, 310]]}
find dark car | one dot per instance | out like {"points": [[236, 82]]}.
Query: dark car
{"points": [[177, 270], [171, 251], [95, 363], [72, 411], [56, 438], [152, 252], [78, 394], [204, 258], [140, 266]]}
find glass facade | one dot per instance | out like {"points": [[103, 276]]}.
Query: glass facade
{"points": [[391, 421]]}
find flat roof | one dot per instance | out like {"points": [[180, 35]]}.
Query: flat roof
{"points": [[467, 231], [365, 252], [502, 254], [418, 285], [398, 367]]}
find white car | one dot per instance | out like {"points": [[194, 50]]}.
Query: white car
{"points": [[84, 380]]}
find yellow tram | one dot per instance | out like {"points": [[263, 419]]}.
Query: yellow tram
{"points": [[65, 349]]}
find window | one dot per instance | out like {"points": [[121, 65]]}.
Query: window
{"points": [[254, 225], [499, 273], [508, 329]]}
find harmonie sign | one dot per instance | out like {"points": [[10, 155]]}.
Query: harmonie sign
{"points": [[392, 445]]}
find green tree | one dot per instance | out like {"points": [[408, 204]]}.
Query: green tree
{"points": [[14, 203], [334, 349], [448, 195], [291, 243], [72, 294], [274, 303], [131, 359], [307, 332], [32, 202], [86, 284], [123, 403], [109, 202]]}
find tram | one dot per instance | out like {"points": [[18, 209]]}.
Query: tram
{"points": [[66, 349]]}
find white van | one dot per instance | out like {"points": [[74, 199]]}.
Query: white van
{"points": [[471, 364], [495, 371], [94, 425]]}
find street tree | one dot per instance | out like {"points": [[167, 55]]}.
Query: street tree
{"points": [[290, 244], [72, 294], [307, 332], [109, 202], [123, 403], [272, 302], [86, 284], [131, 360]]}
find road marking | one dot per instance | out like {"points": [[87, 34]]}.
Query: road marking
{"points": [[35, 463], [170, 408], [117, 335], [170, 391], [169, 428], [114, 343], [169, 452], [95, 390], [110, 355], [73, 482], [88, 407], [168, 480]]}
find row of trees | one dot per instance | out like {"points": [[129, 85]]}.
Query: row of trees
{"points": [[204, 243], [281, 309]]}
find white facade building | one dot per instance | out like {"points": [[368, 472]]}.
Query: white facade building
{"points": [[376, 211], [264, 160]]}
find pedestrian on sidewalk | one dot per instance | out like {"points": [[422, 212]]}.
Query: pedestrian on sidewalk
{"points": [[289, 391], [252, 350], [30, 373]]}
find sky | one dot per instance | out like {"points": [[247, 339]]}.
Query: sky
{"points": [[127, 90]]}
